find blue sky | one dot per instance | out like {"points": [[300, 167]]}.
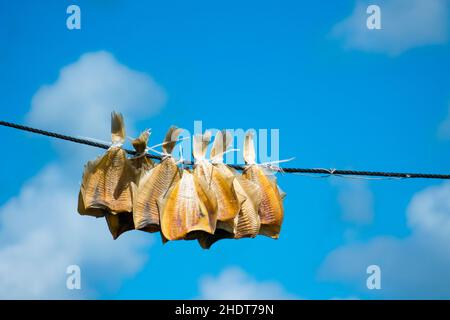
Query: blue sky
{"points": [[342, 97]]}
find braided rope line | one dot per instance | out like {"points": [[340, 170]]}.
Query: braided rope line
{"points": [[323, 171]]}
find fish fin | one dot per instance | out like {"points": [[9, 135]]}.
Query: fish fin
{"points": [[281, 192], [117, 128], [200, 144], [221, 143], [140, 143], [249, 148], [170, 139]]}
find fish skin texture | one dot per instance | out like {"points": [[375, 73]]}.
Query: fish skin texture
{"points": [[189, 209], [154, 185], [151, 189], [246, 224], [106, 182], [221, 185], [271, 209]]}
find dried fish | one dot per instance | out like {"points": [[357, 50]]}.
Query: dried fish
{"points": [[154, 185], [106, 181], [221, 181], [248, 221], [140, 161], [271, 207], [218, 179], [188, 210], [119, 223], [208, 203]]}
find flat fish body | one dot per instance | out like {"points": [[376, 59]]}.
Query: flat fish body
{"points": [[188, 210], [221, 185], [106, 183], [246, 224], [94, 212], [151, 189], [248, 221], [271, 208]]}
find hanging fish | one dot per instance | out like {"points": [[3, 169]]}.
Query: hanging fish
{"points": [[140, 161], [154, 185], [218, 179], [221, 180], [188, 210], [271, 208], [121, 222], [248, 222], [105, 184]]}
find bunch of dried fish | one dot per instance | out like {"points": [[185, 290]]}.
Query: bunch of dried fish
{"points": [[238, 199], [271, 207], [153, 187], [121, 222], [210, 202], [105, 188]]}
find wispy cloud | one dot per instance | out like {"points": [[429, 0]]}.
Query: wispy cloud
{"points": [[41, 235], [234, 283], [41, 232], [86, 91], [405, 24], [412, 267]]}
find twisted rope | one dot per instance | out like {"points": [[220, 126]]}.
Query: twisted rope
{"points": [[323, 171]]}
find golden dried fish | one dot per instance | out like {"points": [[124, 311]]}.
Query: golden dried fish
{"points": [[188, 210], [221, 181], [106, 180], [95, 212], [140, 161], [217, 178], [271, 208], [154, 185], [119, 223], [247, 223]]}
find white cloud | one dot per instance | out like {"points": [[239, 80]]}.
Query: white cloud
{"points": [[86, 92], [412, 267], [405, 24], [41, 232], [234, 283], [355, 200]]}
